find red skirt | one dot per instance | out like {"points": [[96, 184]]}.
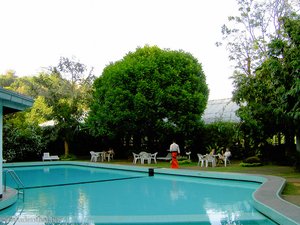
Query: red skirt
{"points": [[174, 163]]}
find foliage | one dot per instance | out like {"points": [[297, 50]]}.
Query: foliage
{"points": [[272, 95], [7, 79], [150, 95], [68, 98], [64, 100], [252, 159], [21, 140], [220, 135], [40, 112], [247, 35], [251, 162], [69, 157]]}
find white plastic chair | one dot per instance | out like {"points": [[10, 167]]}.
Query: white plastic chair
{"points": [[94, 156], [109, 155], [227, 154], [136, 157], [145, 156], [201, 159], [153, 156], [210, 159], [188, 155]]}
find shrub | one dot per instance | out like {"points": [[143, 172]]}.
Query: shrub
{"points": [[252, 159], [251, 162], [69, 157], [21, 141]]}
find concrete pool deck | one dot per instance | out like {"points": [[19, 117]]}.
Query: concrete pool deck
{"points": [[267, 198], [268, 201], [10, 196]]}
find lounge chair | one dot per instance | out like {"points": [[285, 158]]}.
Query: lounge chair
{"points": [[168, 157], [46, 156]]}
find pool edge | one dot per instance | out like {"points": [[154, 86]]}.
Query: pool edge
{"points": [[266, 198], [10, 196], [268, 201]]}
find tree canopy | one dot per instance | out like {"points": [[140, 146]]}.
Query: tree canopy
{"points": [[263, 43], [247, 35], [148, 95], [272, 95], [61, 94]]}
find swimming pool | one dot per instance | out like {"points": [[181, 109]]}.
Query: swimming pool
{"points": [[84, 194]]}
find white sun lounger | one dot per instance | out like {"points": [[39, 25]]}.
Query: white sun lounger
{"points": [[46, 156], [166, 158]]}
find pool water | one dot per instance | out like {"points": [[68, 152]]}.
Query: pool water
{"points": [[89, 195]]}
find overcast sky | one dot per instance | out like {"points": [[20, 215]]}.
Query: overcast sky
{"points": [[36, 33]]}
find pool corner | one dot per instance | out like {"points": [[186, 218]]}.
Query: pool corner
{"points": [[10, 196], [268, 201]]}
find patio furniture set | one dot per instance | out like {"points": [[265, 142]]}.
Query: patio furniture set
{"points": [[213, 160], [144, 156], [102, 156]]}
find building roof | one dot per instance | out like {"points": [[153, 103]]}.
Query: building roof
{"points": [[14, 102], [221, 110]]}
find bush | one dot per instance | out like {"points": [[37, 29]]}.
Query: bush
{"points": [[251, 162], [252, 159], [21, 141], [69, 157]]}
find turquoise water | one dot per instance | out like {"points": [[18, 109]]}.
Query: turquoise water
{"points": [[103, 196]]}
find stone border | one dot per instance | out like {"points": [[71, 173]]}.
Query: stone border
{"points": [[267, 200], [9, 197]]}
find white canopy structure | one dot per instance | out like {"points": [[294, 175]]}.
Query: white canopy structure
{"points": [[221, 110]]}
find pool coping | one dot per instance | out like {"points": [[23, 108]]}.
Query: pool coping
{"points": [[9, 197], [267, 199]]}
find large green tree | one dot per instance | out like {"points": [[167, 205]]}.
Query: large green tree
{"points": [[272, 95], [259, 95], [67, 91], [149, 95]]}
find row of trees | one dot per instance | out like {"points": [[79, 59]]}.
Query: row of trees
{"points": [[140, 102]]}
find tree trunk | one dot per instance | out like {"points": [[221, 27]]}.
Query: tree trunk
{"points": [[298, 143], [66, 144]]}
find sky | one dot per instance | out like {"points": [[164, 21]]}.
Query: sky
{"points": [[36, 33]]}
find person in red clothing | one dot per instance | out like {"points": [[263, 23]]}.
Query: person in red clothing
{"points": [[174, 149]]}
